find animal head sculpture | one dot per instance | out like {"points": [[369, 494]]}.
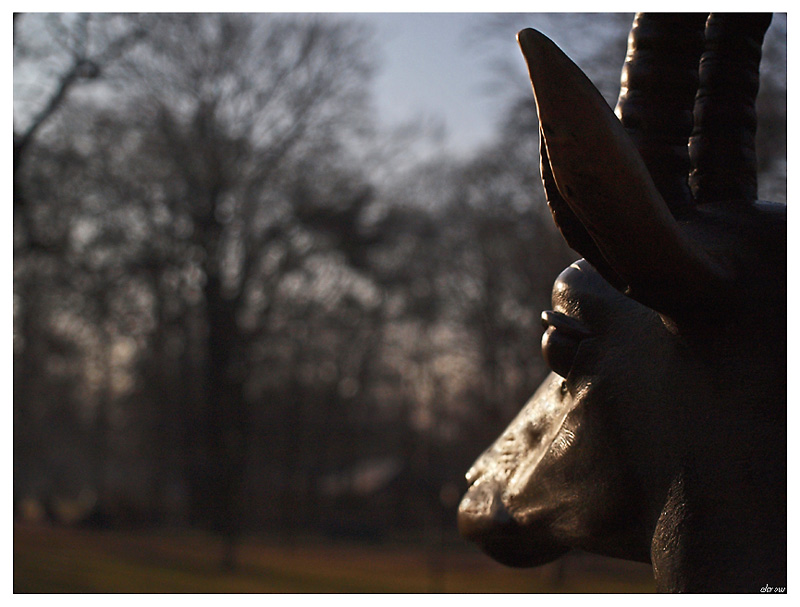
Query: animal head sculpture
{"points": [[660, 435]]}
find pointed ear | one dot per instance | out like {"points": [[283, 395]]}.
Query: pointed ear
{"points": [[598, 172], [568, 224]]}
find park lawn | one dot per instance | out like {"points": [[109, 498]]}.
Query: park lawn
{"points": [[57, 560]]}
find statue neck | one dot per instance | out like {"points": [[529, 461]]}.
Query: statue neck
{"points": [[705, 541]]}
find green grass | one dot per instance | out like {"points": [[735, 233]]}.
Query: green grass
{"points": [[57, 560]]}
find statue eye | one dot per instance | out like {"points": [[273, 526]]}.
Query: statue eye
{"points": [[560, 341]]}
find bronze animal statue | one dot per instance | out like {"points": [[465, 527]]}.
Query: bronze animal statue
{"points": [[660, 435]]}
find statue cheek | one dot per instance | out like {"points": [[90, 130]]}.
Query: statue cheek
{"points": [[549, 482]]}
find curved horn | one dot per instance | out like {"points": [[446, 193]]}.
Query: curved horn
{"points": [[722, 146], [599, 173], [656, 102]]}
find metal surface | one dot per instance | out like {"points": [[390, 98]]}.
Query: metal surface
{"points": [[660, 435]]}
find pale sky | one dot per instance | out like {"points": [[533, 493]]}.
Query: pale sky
{"points": [[443, 65], [427, 68], [439, 64], [435, 66], [430, 69]]}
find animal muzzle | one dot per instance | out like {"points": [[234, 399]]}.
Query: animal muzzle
{"points": [[485, 520]]}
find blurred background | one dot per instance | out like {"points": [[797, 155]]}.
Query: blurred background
{"points": [[277, 281]]}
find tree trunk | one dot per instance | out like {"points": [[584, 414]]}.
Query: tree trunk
{"points": [[225, 427]]}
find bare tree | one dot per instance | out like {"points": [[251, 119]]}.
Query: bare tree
{"points": [[241, 107], [65, 51]]}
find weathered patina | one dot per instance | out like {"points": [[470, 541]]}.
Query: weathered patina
{"points": [[660, 435]]}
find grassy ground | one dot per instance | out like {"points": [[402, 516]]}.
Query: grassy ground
{"points": [[54, 560]]}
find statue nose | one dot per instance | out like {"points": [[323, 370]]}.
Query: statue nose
{"points": [[482, 512]]}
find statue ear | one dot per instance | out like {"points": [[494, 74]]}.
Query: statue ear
{"points": [[568, 224], [590, 163]]}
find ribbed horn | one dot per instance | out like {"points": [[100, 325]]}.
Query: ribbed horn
{"points": [[599, 174], [657, 93], [722, 145]]}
